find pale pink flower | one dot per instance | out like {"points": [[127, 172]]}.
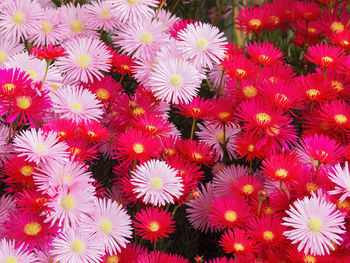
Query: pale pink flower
{"points": [[40, 147], [76, 246], [10, 253], [203, 44], [167, 19], [86, 58], [20, 18], [76, 103], [341, 177], [156, 182], [5, 148], [46, 3], [75, 21], [7, 206], [110, 224], [133, 11], [141, 39], [175, 81], [99, 15], [51, 30], [8, 48], [315, 224]]}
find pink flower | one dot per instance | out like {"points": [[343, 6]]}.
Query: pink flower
{"points": [[9, 47], [133, 11], [8, 253], [100, 15], [341, 178]]}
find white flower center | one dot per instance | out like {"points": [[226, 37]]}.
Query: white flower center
{"points": [[76, 26], [146, 38], [156, 183], [78, 246], [132, 2], [68, 202], [46, 27], [76, 107], [84, 60], [18, 18], [202, 44], [11, 259], [3, 56], [315, 224], [176, 81], [105, 226]]}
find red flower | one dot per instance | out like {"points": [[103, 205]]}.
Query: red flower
{"points": [[65, 128], [197, 151], [237, 241], [49, 53], [265, 54], [153, 224], [222, 112], [94, 131], [252, 19], [239, 68], [13, 81], [325, 55], [250, 145], [247, 186], [307, 10], [197, 108], [122, 63]]}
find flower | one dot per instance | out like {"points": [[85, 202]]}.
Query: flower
{"points": [[250, 145], [154, 223], [174, 81], [12, 82], [246, 186], [265, 54], [9, 47], [239, 67], [49, 53], [111, 225], [8, 253], [76, 103], [77, 246], [197, 108], [202, 44], [341, 178], [307, 10], [238, 242], [335, 115], [86, 58], [197, 151], [122, 63], [101, 15], [38, 146], [133, 11], [252, 19], [20, 18], [325, 55], [315, 224], [156, 182]]}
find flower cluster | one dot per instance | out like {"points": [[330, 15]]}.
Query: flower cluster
{"points": [[128, 133]]}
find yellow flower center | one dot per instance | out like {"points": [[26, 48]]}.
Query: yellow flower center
{"points": [[103, 94], [281, 173], [41, 147], [345, 204], [264, 58], [76, 26], [263, 117], [250, 91], [255, 23], [105, 14], [76, 107], [27, 170], [138, 111], [338, 86], [32, 74], [281, 98], [138, 148], [154, 226], [340, 118], [125, 67], [268, 235], [220, 138], [151, 128], [105, 226], [327, 60], [75, 150], [32, 228], [231, 216], [241, 72], [196, 110], [112, 259], [312, 30], [78, 246], [11, 259], [18, 18], [315, 224], [202, 44], [3, 57], [275, 19], [24, 102], [309, 259], [238, 247], [197, 156], [146, 38], [156, 183], [248, 189], [176, 81], [132, 2], [84, 60], [337, 27], [345, 43], [68, 202], [224, 115], [91, 134], [46, 27], [313, 93], [251, 148], [311, 187]]}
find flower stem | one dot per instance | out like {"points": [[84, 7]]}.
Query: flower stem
{"points": [[317, 168], [220, 86], [193, 126], [281, 188], [48, 63], [154, 245], [251, 166], [158, 10], [174, 211]]}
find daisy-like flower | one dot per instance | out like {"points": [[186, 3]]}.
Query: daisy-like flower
{"points": [[7, 206], [157, 256], [10, 254], [229, 211], [197, 151], [122, 63], [133, 11], [141, 39], [29, 230], [307, 10], [154, 223], [77, 247], [20, 18], [247, 186], [265, 54], [75, 23], [100, 15], [9, 47], [65, 128], [156, 182], [335, 115], [325, 55], [315, 224], [175, 81], [38, 146], [48, 53], [319, 149], [202, 44], [51, 30], [252, 19], [250, 145], [237, 241], [86, 58], [239, 67], [341, 178], [94, 131], [198, 108], [198, 209], [111, 225], [5, 147], [153, 124], [76, 103], [136, 145]]}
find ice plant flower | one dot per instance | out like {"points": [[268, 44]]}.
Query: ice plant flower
{"points": [[315, 224], [48, 53], [265, 54], [9, 47], [153, 223], [38, 146], [325, 55], [100, 15], [202, 44], [156, 182], [86, 58], [132, 11], [341, 178], [238, 242], [10, 254]]}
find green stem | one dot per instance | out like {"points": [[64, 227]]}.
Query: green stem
{"points": [[121, 79], [259, 207], [317, 168], [325, 73], [174, 7], [174, 211], [158, 10], [281, 188], [154, 245], [251, 166], [167, 207], [193, 126], [48, 63]]}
